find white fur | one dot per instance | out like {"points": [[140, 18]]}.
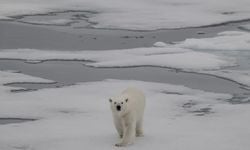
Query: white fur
{"points": [[129, 120]]}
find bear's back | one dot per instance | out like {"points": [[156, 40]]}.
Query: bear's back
{"points": [[134, 93], [136, 98]]}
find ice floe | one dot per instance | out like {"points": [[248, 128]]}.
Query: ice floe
{"points": [[138, 14], [79, 117], [208, 55], [245, 27], [228, 40], [239, 76], [235, 44], [56, 22], [160, 44], [170, 57], [11, 76]]}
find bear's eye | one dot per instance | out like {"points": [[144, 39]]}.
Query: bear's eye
{"points": [[121, 102], [114, 102]]}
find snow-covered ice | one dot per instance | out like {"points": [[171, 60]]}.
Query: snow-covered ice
{"points": [[138, 14], [160, 44], [171, 57], [208, 55], [79, 117], [12, 76], [245, 27], [58, 22], [228, 40], [233, 44], [240, 76]]}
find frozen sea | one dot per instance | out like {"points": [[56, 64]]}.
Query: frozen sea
{"points": [[60, 61]]}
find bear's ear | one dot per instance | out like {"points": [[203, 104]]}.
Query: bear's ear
{"points": [[126, 100], [110, 100]]}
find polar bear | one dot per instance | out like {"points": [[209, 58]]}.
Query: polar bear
{"points": [[128, 109]]}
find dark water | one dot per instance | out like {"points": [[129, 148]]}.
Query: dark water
{"points": [[14, 120], [70, 72]]}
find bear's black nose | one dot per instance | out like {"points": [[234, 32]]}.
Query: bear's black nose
{"points": [[118, 107]]}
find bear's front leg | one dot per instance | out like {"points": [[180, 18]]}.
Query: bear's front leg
{"points": [[118, 125], [129, 125]]}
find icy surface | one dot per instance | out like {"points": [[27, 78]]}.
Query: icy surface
{"points": [[160, 44], [171, 57], [78, 117], [12, 76], [240, 76], [207, 55], [229, 40], [235, 44], [245, 27], [138, 14], [59, 22]]}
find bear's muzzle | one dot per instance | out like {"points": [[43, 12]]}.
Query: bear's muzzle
{"points": [[118, 108]]}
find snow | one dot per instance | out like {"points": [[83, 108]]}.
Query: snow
{"points": [[138, 14], [208, 55], [240, 76], [11, 76], [245, 27], [228, 40], [4, 18], [59, 22], [171, 57], [233, 44], [79, 116], [160, 44]]}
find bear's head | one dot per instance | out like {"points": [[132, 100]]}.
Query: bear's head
{"points": [[119, 105]]}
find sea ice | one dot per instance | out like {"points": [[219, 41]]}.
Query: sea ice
{"points": [[228, 40], [245, 27], [138, 14], [171, 57], [239, 76], [79, 116], [160, 44], [233, 44], [58, 22], [12, 76], [208, 55]]}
